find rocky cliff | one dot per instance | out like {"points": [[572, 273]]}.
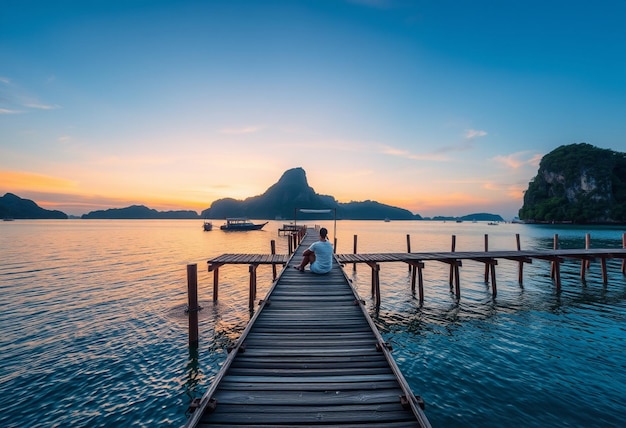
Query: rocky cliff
{"points": [[292, 191], [578, 183]]}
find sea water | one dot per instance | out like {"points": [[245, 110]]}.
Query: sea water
{"points": [[94, 331]]}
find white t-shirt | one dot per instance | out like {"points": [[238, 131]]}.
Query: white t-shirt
{"points": [[323, 257]]}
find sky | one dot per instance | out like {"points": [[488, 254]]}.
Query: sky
{"points": [[439, 107]]}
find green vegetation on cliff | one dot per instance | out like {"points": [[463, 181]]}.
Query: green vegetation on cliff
{"points": [[578, 183]]}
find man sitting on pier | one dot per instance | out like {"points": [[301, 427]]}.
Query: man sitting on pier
{"points": [[319, 254]]}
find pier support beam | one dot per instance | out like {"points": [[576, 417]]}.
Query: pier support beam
{"points": [[408, 249], [520, 265], [554, 265], [273, 249], [375, 283], [354, 252], [416, 270], [623, 260], [252, 298], [454, 269], [192, 305], [215, 268], [486, 265]]}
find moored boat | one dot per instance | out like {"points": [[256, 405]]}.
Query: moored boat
{"points": [[207, 226], [241, 224]]}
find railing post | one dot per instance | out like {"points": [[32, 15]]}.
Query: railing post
{"points": [[192, 306]]}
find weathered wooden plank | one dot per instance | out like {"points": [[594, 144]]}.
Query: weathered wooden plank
{"points": [[302, 386]]}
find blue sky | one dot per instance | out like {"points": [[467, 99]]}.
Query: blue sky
{"points": [[439, 107]]}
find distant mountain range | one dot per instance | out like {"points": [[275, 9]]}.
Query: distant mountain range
{"points": [[14, 207], [139, 212], [280, 201]]}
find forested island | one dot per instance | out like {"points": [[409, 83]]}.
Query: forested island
{"points": [[577, 183]]}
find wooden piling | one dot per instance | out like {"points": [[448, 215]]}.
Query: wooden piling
{"points": [[252, 297], [624, 246], [520, 266], [192, 305], [457, 280], [555, 269], [588, 246], [486, 265], [273, 249], [354, 252], [453, 249], [377, 286], [585, 263], [416, 270], [555, 246], [216, 280], [408, 248]]}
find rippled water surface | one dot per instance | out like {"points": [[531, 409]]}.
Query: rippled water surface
{"points": [[94, 331]]}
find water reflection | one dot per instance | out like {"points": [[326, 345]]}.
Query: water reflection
{"points": [[94, 331]]}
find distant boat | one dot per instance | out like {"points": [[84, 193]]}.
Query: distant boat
{"points": [[207, 226], [459, 221], [7, 219], [492, 223], [387, 220], [241, 224]]}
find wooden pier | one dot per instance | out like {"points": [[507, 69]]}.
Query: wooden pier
{"points": [[489, 258], [310, 356]]}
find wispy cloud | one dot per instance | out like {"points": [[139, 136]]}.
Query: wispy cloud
{"points": [[9, 111], [5, 80], [239, 131], [392, 151], [471, 134], [42, 106], [519, 159]]}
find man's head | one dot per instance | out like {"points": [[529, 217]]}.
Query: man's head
{"points": [[323, 232]]}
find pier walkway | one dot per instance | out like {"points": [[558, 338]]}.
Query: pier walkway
{"points": [[310, 356]]}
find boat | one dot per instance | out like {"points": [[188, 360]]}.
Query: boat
{"points": [[387, 220], [241, 224], [207, 226]]}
